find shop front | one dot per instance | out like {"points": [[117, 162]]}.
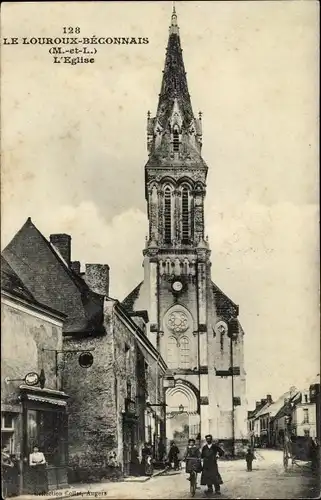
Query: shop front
{"points": [[45, 425]]}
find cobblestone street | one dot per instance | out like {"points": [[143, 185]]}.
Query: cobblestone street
{"points": [[267, 480]]}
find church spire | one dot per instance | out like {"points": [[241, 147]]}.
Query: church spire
{"points": [[173, 29], [174, 83], [174, 135]]}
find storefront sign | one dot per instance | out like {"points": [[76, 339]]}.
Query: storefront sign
{"points": [[32, 378]]}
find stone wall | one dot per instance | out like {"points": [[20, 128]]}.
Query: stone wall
{"points": [[24, 332], [97, 397]]}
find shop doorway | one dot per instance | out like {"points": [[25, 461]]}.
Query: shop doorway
{"points": [[47, 429]]}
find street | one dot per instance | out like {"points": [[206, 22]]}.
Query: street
{"points": [[267, 480]]}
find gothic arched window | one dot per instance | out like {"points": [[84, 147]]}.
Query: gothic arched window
{"points": [[184, 352], [171, 352], [167, 215], [185, 216]]}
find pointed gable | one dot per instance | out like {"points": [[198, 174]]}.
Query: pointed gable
{"points": [[225, 306], [52, 283]]}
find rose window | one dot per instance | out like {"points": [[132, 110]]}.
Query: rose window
{"points": [[177, 322]]}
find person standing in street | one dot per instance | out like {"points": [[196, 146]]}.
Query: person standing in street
{"points": [[6, 471], [210, 474], [192, 459], [173, 455], [249, 457], [38, 463], [147, 459]]}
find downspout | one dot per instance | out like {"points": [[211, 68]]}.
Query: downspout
{"points": [[232, 380], [198, 360]]}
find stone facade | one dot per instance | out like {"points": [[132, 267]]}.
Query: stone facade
{"points": [[193, 324], [28, 327], [108, 410]]}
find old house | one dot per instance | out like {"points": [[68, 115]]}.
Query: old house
{"points": [[278, 411], [120, 370], [33, 406], [255, 422]]}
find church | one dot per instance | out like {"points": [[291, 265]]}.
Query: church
{"points": [[193, 325]]}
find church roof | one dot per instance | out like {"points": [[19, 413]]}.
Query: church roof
{"points": [[225, 306], [129, 301]]}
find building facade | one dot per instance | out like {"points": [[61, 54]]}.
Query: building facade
{"points": [[193, 324], [112, 399], [31, 415]]}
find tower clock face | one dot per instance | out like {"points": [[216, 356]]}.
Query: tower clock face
{"points": [[177, 286]]}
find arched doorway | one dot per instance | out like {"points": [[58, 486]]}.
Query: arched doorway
{"points": [[182, 414]]}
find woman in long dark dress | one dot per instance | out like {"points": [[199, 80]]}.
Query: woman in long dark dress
{"points": [[210, 474], [147, 459], [37, 464]]}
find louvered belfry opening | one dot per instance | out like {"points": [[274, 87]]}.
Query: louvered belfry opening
{"points": [[167, 216], [175, 140], [185, 216]]}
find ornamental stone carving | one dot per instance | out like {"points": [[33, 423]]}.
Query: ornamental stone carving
{"points": [[177, 322]]}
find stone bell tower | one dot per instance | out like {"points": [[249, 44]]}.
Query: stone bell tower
{"points": [[190, 319]]}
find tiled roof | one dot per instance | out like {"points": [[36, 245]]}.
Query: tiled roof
{"points": [[225, 306], [37, 263], [129, 301], [11, 282]]}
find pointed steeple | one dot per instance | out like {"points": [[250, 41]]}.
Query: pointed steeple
{"points": [[174, 135], [173, 29], [174, 83]]}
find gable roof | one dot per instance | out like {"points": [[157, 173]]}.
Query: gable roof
{"points": [[52, 282], [11, 282], [225, 306], [129, 301]]}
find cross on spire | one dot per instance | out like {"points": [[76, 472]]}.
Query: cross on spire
{"points": [[173, 29]]}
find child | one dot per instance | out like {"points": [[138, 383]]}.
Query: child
{"points": [[249, 457]]}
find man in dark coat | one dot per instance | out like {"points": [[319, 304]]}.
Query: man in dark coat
{"points": [[210, 474], [173, 455]]}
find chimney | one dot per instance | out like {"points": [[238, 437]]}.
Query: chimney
{"points": [[62, 242], [257, 404], [269, 398], [97, 278], [75, 266]]}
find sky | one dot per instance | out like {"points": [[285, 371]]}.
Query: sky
{"points": [[74, 149]]}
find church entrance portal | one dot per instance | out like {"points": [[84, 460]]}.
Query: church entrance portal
{"points": [[182, 417]]}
